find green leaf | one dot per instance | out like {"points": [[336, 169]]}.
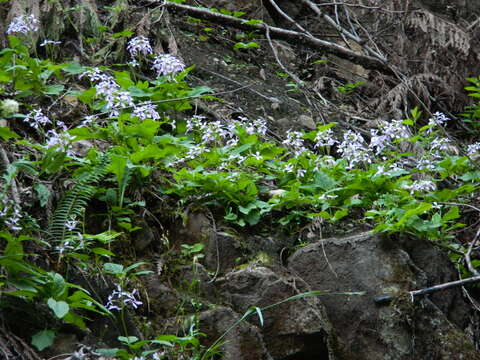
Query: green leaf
{"points": [[112, 268], [127, 339], [43, 339], [7, 134], [59, 308], [102, 252], [43, 193], [54, 89], [249, 45], [452, 214]]}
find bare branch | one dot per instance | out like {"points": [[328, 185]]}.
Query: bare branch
{"points": [[367, 61], [429, 290]]}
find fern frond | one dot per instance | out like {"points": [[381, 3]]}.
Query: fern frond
{"points": [[75, 200]]}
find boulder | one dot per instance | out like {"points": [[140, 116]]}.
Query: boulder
{"points": [[425, 328], [292, 330], [241, 341]]}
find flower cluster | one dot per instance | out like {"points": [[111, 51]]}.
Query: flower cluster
{"points": [[354, 149], [295, 141], [120, 299], [139, 45], [324, 138], [23, 25], [473, 150], [166, 64], [108, 88], [36, 119], [438, 120], [146, 111], [421, 186], [9, 107], [13, 211], [60, 140]]}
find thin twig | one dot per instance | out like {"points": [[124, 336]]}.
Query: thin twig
{"points": [[388, 298], [279, 62], [468, 260], [367, 61]]}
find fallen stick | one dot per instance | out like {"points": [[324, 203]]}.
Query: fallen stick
{"points": [[388, 298], [295, 37]]}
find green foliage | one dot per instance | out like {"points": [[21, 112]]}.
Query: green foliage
{"points": [[472, 113], [75, 200], [349, 88], [404, 178]]}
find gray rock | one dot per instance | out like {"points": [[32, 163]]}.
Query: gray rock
{"points": [[402, 330], [294, 329], [240, 342]]}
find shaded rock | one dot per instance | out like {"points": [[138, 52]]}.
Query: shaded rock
{"points": [[221, 251], [241, 342], [295, 329], [403, 330], [162, 299]]}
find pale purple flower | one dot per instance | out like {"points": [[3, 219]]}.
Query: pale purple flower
{"points": [[36, 119], [324, 138], [23, 24], [120, 299], [166, 64], [139, 45], [13, 221], [301, 172], [439, 144], [421, 186], [146, 111], [288, 168], [71, 224], [295, 140], [353, 148], [473, 150], [95, 74], [87, 121], [61, 140]]}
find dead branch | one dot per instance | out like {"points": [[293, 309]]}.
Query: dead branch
{"points": [[367, 61], [388, 298]]}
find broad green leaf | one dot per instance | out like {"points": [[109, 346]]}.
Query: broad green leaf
{"points": [[59, 308], [112, 268], [7, 134], [43, 339]]}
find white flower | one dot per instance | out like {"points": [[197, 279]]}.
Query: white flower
{"points": [[119, 299], [295, 140], [257, 156], [301, 172], [23, 24], [421, 186], [324, 138], [146, 111], [9, 106], [50, 42], [139, 44], [166, 64], [288, 168]]}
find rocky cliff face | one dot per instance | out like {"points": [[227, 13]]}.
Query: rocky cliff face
{"points": [[236, 293]]}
